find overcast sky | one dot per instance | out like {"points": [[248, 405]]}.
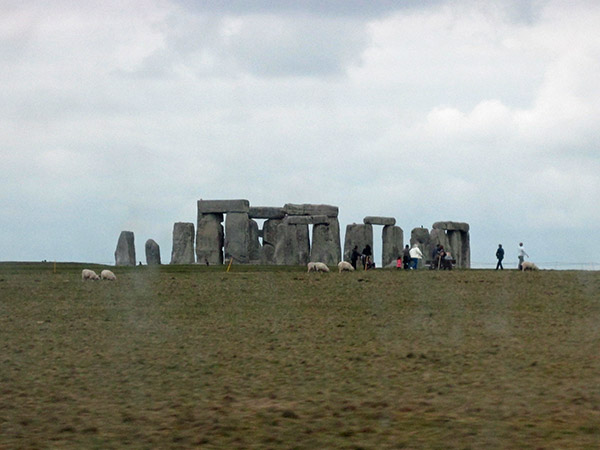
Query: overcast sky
{"points": [[121, 115]]}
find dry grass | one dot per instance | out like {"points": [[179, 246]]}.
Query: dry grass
{"points": [[178, 357]]}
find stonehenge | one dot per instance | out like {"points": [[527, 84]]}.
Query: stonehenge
{"points": [[294, 234]]}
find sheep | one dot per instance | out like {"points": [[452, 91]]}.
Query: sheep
{"points": [[108, 275], [345, 266], [528, 265], [317, 267], [88, 274]]}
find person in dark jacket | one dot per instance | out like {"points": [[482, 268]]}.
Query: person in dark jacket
{"points": [[367, 254], [500, 256], [354, 256], [406, 257]]}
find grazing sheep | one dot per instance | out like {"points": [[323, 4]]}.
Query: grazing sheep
{"points": [[528, 265], [317, 267], [108, 275], [87, 274], [345, 266]]}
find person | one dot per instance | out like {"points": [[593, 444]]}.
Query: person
{"points": [[415, 255], [522, 254], [354, 256], [367, 257], [406, 257], [500, 256], [399, 262]]}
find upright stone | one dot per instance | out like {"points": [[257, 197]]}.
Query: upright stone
{"points": [[254, 248], [420, 236], [152, 253], [237, 237], [466, 250], [393, 242], [269, 240], [125, 252], [359, 235], [326, 242], [183, 243], [438, 236], [209, 239], [293, 246]]}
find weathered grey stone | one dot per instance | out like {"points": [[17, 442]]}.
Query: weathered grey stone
{"points": [[152, 253], [420, 236], [465, 254], [393, 243], [223, 206], [451, 226], [293, 246], [266, 212], [357, 234], [125, 252], [326, 242], [437, 236], [378, 220], [269, 240], [307, 209], [307, 220], [237, 237], [254, 248], [209, 239], [183, 243]]}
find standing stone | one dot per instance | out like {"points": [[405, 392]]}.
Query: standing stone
{"points": [[357, 234], [152, 253], [393, 243], [254, 248], [236, 237], [326, 242], [209, 239], [125, 252], [466, 250], [420, 236], [293, 246], [269, 240], [437, 237], [183, 243]]}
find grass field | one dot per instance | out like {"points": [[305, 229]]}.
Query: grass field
{"points": [[191, 356]]}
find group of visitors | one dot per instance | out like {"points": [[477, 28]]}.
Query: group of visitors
{"points": [[410, 258], [366, 257], [521, 254]]}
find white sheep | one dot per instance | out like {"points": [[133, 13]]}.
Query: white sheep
{"points": [[317, 267], [108, 275], [345, 266], [528, 265], [88, 274]]}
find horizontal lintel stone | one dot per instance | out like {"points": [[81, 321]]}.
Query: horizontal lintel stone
{"points": [[378, 220], [307, 209], [223, 206], [266, 212]]}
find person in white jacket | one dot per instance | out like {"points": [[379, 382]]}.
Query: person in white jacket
{"points": [[415, 256], [522, 254]]}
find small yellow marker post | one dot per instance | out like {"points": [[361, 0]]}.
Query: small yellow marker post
{"points": [[229, 265]]}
